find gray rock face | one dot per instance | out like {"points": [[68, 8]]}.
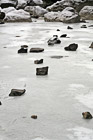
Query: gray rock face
{"points": [[68, 15], [8, 3], [17, 92], [36, 11], [87, 13], [34, 2], [42, 71]]}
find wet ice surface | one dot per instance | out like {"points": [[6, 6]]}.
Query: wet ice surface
{"points": [[57, 99]]}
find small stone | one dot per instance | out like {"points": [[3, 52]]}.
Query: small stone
{"points": [[83, 26], [87, 115], [17, 92], [69, 27], [90, 26], [0, 103], [36, 50], [57, 57], [22, 50], [91, 46], [24, 46], [71, 47], [58, 30], [34, 116], [38, 61], [17, 36], [64, 35], [42, 71]]}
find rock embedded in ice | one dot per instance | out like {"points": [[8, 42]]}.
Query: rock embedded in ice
{"points": [[69, 27], [83, 26], [34, 116], [42, 71], [38, 61], [8, 3], [91, 46], [54, 40], [64, 35], [86, 13], [0, 103], [13, 15], [36, 50], [71, 47], [68, 15], [23, 50], [87, 115], [17, 92], [36, 11]]}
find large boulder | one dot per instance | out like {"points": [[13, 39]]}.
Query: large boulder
{"points": [[13, 15], [60, 5], [68, 15], [21, 4], [36, 11], [34, 2], [87, 13], [77, 4], [8, 3]]}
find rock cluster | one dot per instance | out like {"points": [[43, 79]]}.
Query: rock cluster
{"points": [[67, 11]]}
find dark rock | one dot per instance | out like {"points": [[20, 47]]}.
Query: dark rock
{"points": [[38, 61], [71, 47], [83, 26], [54, 40], [24, 46], [64, 35], [69, 27], [55, 35], [36, 50], [58, 41], [58, 30], [87, 115], [91, 46], [34, 116], [22, 50], [0, 103], [17, 92], [42, 71]]}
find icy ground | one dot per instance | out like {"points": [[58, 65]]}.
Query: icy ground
{"points": [[57, 99]]}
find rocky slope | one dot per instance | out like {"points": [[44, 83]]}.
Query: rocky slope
{"points": [[56, 10]]}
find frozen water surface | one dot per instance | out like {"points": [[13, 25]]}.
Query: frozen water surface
{"points": [[57, 99]]}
